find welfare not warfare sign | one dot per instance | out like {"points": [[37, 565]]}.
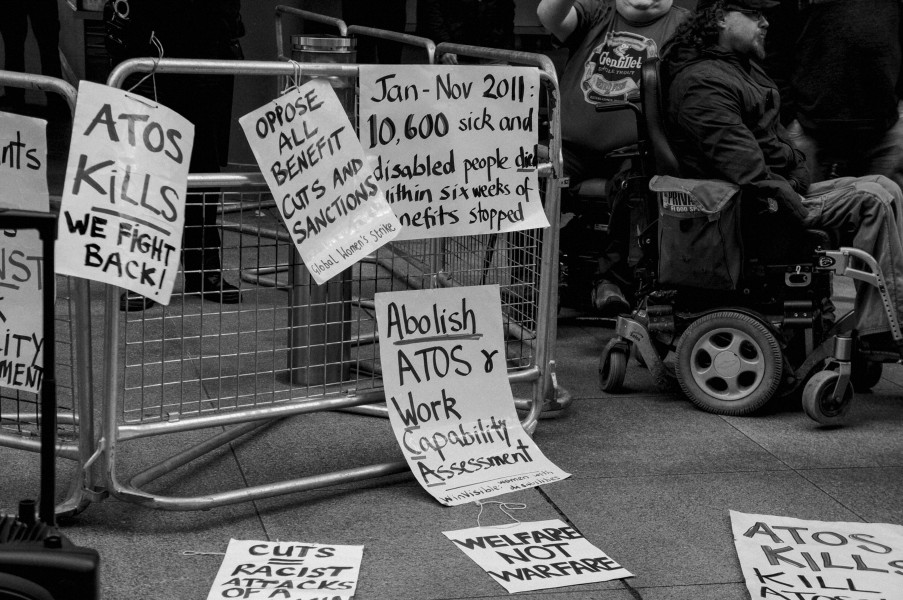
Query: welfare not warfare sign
{"points": [[783, 557], [449, 398], [536, 556], [123, 206], [454, 147], [23, 186], [314, 165]]}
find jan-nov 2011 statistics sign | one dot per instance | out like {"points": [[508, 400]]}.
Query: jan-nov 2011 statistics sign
{"points": [[288, 571], [449, 399], [536, 556], [123, 206], [23, 186], [454, 147], [793, 559], [314, 165]]}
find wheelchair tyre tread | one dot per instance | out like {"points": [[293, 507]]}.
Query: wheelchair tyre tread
{"points": [[612, 371], [818, 403], [729, 363]]}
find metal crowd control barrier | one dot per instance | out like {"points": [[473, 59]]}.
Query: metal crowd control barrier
{"points": [[20, 425], [194, 365]]}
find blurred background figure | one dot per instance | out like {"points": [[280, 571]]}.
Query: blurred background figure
{"points": [[45, 25], [487, 23], [838, 65]]}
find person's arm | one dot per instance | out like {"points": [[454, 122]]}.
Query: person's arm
{"points": [[559, 17]]}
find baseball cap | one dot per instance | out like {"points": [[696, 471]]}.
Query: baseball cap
{"points": [[750, 4]]}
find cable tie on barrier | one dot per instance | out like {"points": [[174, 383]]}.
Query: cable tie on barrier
{"points": [[505, 507]]}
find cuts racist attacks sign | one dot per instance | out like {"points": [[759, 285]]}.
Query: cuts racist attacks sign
{"points": [[123, 207], [450, 402], [536, 556], [797, 559], [454, 147], [287, 570], [314, 165], [23, 186]]}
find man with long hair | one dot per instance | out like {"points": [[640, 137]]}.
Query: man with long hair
{"points": [[723, 119]]}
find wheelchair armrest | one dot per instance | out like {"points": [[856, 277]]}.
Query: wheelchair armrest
{"points": [[817, 238]]}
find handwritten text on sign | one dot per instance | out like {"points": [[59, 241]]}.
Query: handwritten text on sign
{"points": [[790, 558], [123, 204], [536, 556], [314, 165], [450, 402], [288, 570], [23, 185], [454, 148]]}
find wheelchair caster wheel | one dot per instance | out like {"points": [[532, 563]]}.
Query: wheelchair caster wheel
{"points": [[729, 363], [612, 370], [819, 400]]}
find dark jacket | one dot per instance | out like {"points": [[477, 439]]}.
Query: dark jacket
{"points": [[723, 118]]}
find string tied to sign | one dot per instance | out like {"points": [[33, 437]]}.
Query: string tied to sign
{"points": [[504, 507], [159, 46], [293, 82]]}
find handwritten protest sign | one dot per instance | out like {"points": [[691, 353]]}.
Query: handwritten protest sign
{"points": [[23, 185], [450, 402], [287, 570], [314, 165], [454, 148], [790, 558], [123, 207], [536, 556]]}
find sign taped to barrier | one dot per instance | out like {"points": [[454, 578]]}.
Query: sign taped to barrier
{"points": [[782, 557], [23, 186], [448, 394], [536, 556], [454, 147], [123, 207], [289, 570], [314, 165]]}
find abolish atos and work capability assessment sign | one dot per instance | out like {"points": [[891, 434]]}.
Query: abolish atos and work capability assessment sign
{"points": [[449, 399], [314, 165], [454, 147]]}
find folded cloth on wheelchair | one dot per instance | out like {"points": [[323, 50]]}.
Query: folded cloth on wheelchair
{"points": [[699, 238]]}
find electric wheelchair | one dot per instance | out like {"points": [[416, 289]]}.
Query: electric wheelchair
{"points": [[735, 317]]}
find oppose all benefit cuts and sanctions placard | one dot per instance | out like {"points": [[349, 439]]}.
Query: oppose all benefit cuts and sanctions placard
{"points": [[783, 558], [23, 186], [454, 147], [123, 206], [450, 403], [313, 163]]}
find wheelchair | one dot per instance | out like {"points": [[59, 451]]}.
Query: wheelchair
{"points": [[737, 329]]}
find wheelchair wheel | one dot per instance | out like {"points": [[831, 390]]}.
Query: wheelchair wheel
{"points": [[612, 370], [818, 400], [729, 363]]}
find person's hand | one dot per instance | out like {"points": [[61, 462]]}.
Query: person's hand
{"points": [[449, 59]]}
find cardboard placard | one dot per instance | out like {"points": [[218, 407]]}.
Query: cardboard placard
{"points": [[783, 557], [454, 147], [314, 166], [123, 207], [449, 398], [23, 185], [536, 556], [287, 570]]}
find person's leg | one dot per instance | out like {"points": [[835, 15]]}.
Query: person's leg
{"points": [[885, 156], [866, 213], [14, 29]]}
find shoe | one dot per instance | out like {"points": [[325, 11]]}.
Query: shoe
{"points": [[214, 288], [880, 343], [131, 302], [608, 299]]}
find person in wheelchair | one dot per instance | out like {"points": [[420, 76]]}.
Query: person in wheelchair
{"points": [[723, 123], [608, 41]]}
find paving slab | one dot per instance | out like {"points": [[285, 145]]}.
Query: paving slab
{"points": [[874, 494], [675, 530]]}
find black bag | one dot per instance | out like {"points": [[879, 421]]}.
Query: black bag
{"points": [[125, 35]]}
